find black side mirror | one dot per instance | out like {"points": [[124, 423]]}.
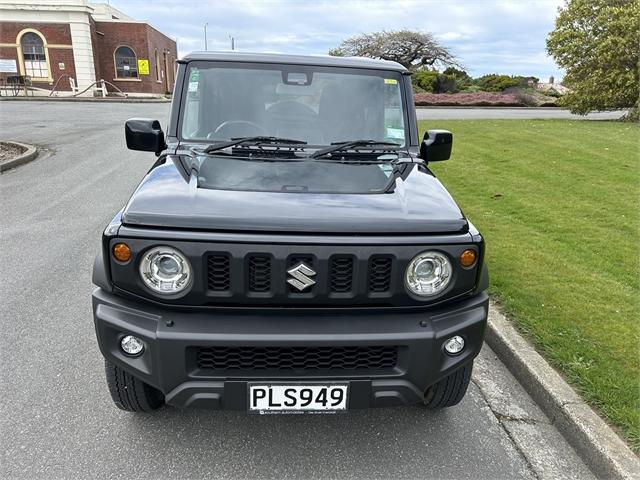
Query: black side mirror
{"points": [[144, 134], [436, 145]]}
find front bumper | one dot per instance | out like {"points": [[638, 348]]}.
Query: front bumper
{"points": [[170, 335]]}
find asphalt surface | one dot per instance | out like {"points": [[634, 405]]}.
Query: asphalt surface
{"points": [[57, 419]]}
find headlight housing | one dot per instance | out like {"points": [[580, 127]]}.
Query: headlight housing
{"points": [[428, 274], [165, 270]]}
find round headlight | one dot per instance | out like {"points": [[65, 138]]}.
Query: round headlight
{"points": [[165, 270], [428, 274]]}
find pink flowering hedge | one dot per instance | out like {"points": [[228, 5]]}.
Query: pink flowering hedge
{"points": [[468, 99]]}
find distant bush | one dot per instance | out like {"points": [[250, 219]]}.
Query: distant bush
{"points": [[426, 80], [433, 82], [525, 97], [463, 80], [552, 92], [418, 89], [456, 72], [447, 83], [454, 80], [499, 83]]}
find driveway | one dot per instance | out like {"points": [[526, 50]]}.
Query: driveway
{"points": [[56, 417]]}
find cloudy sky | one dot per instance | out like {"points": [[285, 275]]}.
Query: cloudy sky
{"points": [[488, 36]]}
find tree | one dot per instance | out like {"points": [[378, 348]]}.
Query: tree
{"points": [[597, 42], [411, 49], [463, 80]]}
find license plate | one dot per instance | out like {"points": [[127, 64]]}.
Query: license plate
{"points": [[297, 398]]}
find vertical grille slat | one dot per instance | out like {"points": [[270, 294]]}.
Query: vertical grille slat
{"points": [[219, 272], [341, 274], [379, 277], [259, 272]]}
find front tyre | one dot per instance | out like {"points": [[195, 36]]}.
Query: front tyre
{"points": [[450, 390], [129, 393]]}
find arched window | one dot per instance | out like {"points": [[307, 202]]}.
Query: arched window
{"points": [[34, 55], [126, 63]]}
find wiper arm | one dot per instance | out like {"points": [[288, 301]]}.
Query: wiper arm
{"points": [[337, 146], [256, 140]]}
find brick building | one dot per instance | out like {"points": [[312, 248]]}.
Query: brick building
{"points": [[61, 43]]}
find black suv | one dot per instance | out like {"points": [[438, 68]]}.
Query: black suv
{"points": [[290, 250]]}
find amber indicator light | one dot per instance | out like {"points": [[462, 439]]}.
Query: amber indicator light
{"points": [[121, 252], [468, 258]]}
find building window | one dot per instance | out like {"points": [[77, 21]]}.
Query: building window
{"points": [[157, 59], [126, 63], [34, 56]]}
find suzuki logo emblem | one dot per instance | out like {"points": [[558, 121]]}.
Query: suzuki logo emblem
{"points": [[301, 277]]}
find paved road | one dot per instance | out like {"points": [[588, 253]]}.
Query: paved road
{"points": [[57, 420], [478, 113]]}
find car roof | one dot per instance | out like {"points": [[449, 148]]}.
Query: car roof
{"points": [[317, 60]]}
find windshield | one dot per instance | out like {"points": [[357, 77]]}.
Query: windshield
{"points": [[317, 105]]}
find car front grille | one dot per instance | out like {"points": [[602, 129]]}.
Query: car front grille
{"points": [[263, 273], [296, 358]]}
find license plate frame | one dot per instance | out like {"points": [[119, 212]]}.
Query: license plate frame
{"points": [[275, 394]]}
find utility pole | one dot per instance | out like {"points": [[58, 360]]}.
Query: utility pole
{"points": [[233, 44], [205, 35]]}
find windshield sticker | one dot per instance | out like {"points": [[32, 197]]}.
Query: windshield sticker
{"points": [[194, 79], [390, 81], [395, 133]]}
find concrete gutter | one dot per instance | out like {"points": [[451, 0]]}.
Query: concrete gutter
{"points": [[601, 449], [30, 153]]}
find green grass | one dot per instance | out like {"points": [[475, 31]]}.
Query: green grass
{"points": [[558, 204]]}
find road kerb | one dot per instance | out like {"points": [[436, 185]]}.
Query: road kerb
{"points": [[597, 444], [30, 153]]}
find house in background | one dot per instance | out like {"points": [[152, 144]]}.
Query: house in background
{"points": [[62, 43]]}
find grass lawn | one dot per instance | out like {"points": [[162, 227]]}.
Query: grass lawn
{"points": [[558, 202]]}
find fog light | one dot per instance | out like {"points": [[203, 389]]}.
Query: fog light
{"points": [[131, 345], [454, 345]]}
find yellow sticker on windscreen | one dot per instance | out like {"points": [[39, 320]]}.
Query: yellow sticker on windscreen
{"points": [[390, 81]]}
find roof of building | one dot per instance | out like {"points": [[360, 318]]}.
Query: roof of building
{"points": [[105, 12], [319, 60]]}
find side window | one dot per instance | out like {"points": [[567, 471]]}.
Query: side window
{"points": [[126, 63], [33, 54], [157, 60]]}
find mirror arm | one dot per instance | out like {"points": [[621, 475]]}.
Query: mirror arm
{"points": [[162, 149]]}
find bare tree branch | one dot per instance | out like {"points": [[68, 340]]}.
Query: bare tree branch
{"points": [[413, 50]]}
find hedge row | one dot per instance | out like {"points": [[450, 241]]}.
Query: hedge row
{"points": [[453, 80], [513, 98]]}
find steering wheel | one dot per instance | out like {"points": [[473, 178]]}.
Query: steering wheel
{"points": [[237, 128]]}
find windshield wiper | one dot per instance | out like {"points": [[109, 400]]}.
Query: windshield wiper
{"points": [[258, 140], [338, 146]]}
